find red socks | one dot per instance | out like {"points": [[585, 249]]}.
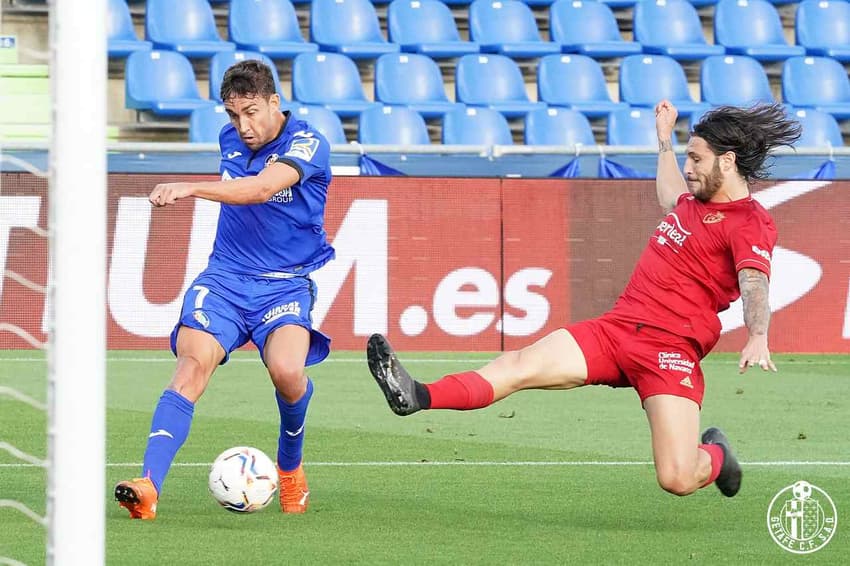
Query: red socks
{"points": [[716, 453], [461, 391]]}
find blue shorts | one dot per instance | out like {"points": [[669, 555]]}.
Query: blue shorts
{"points": [[237, 308]]}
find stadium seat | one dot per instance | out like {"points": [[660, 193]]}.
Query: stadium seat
{"points": [[752, 27], [476, 126], [349, 27], [588, 27], [205, 123], [392, 125], [324, 120], [120, 31], [633, 126], [269, 27], [819, 128], [736, 80], [330, 80], [413, 80], [672, 28], [162, 82], [647, 79], [823, 28], [616, 4], [557, 126], [575, 81], [187, 27], [507, 27], [223, 61], [817, 82], [493, 81], [426, 27]]}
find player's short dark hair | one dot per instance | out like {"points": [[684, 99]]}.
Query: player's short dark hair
{"points": [[750, 133], [248, 78]]}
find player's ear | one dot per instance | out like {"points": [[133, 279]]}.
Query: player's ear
{"points": [[728, 161], [274, 102]]}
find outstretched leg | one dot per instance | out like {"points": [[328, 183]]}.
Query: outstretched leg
{"points": [[683, 466], [553, 362]]}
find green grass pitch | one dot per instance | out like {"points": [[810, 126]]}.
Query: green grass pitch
{"points": [[541, 477]]}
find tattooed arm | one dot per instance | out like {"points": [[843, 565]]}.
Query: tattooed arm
{"points": [[754, 295], [669, 182]]}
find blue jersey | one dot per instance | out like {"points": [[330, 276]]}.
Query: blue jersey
{"points": [[286, 233]]}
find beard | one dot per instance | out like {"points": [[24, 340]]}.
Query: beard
{"points": [[709, 184]]}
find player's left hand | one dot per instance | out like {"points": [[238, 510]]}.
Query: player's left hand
{"points": [[169, 193], [756, 353]]}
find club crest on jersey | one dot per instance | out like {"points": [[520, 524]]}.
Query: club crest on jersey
{"points": [[713, 217], [303, 148], [271, 159]]}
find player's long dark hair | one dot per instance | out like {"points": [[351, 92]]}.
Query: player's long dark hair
{"points": [[248, 78], [750, 133]]}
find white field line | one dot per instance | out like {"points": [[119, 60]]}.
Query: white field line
{"points": [[406, 360], [463, 463]]}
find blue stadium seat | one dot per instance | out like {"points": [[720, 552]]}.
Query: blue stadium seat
{"points": [[223, 61], [575, 81], [752, 27], [819, 128], [588, 27], [647, 79], [493, 81], [396, 125], [324, 120], [349, 27], [736, 80], [205, 123], [697, 116], [187, 27], [616, 4], [330, 80], [557, 126], [507, 27], [162, 82], [426, 27], [413, 80], [823, 28], [269, 27], [672, 28], [817, 82], [476, 126], [120, 31], [633, 126]]}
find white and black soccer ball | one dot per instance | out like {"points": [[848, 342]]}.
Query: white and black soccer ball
{"points": [[802, 490], [243, 479]]}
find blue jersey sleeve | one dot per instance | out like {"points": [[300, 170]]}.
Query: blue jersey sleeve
{"points": [[309, 153]]}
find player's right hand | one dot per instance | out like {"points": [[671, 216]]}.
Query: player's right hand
{"points": [[169, 193], [665, 119]]}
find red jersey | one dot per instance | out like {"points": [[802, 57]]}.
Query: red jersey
{"points": [[689, 271]]}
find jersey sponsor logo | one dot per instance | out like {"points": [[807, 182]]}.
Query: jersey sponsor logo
{"points": [[713, 217], [672, 231], [303, 148], [760, 252], [675, 361], [271, 159], [290, 309], [283, 196]]}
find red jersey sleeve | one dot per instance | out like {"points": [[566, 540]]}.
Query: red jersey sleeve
{"points": [[752, 242]]}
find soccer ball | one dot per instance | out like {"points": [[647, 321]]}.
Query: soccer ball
{"points": [[802, 490], [243, 479]]}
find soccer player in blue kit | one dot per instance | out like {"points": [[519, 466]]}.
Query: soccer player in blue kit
{"points": [[275, 173]]}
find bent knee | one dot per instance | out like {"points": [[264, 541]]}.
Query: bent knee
{"points": [[289, 381], [190, 377], [677, 481]]}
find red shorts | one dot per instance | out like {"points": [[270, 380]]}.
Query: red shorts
{"points": [[626, 354]]}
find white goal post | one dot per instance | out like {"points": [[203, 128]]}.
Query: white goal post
{"points": [[77, 297]]}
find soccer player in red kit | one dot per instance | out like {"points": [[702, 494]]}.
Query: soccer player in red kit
{"points": [[713, 245]]}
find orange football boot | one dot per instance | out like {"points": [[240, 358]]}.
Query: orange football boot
{"points": [[294, 493], [138, 496]]}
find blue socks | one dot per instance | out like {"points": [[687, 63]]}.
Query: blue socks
{"points": [[292, 416], [169, 429]]}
